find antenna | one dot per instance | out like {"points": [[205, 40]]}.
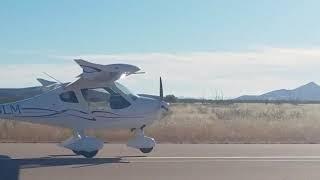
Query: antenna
{"points": [[52, 78], [139, 72]]}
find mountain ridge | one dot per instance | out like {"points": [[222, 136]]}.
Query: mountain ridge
{"points": [[307, 92]]}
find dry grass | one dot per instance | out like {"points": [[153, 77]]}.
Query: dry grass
{"points": [[196, 123]]}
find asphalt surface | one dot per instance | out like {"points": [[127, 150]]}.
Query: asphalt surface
{"points": [[221, 162]]}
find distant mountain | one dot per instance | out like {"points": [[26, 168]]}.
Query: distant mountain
{"points": [[308, 92]]}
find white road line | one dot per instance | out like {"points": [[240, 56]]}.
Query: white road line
{"points": [[228, 157], [220, 160]]}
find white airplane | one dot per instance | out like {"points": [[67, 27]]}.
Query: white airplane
{"points": [[94, 101]]}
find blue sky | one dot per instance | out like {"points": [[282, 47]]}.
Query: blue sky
{"points": [[46, 32]]}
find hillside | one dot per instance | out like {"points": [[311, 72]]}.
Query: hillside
{"points": [[307, 92]]}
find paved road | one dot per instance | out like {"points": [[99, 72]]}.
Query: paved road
{"points": [[221, 162]]}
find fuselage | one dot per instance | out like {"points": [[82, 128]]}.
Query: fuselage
{"points": [[99, 106]]}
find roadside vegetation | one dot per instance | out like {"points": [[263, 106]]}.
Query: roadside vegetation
{"points": [[201, 123]]}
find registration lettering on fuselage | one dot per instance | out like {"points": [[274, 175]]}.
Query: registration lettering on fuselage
{"points": [[10, 109]]}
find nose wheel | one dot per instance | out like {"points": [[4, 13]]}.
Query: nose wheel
{"points": [[146, 150]]}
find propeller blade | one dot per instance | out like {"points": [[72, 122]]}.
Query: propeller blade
{"points": [[161, 89]]}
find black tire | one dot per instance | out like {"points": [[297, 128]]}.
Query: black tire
{"points": [[76, 152], [89, 154], [146, 150]]}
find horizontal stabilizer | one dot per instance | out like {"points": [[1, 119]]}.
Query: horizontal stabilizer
{"points": [[88, 67], [46, 82]]}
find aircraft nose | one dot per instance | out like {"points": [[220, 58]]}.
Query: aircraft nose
{"points": [[154, 106], [164, 106], [149, 105]]}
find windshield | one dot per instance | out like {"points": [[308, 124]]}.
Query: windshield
{"points": [[126, 91]]}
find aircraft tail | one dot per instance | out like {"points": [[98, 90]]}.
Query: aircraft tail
{"points": [[46, 82]]}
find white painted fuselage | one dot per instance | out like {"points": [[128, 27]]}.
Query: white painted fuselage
{"points": [[49, 109]]}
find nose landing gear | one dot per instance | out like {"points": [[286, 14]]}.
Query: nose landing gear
{"points": [[144, 143]]}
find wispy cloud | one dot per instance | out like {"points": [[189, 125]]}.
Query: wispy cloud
{"points": [[194, 74]]}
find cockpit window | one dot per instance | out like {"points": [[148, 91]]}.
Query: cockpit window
{"points": [[126, 91], [96, 95], [69, 97], [98, 99], [117, 101], [104, 99]]}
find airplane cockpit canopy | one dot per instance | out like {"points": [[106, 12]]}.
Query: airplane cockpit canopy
{"points": [[113, 97], [126, 91]]}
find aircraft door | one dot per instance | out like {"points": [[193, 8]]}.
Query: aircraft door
{"points": [[98, 99]]}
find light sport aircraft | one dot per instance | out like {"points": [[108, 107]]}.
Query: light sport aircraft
{"points": [[94, 101]]}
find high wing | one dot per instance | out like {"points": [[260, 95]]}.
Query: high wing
{"points": [[95, 74]]}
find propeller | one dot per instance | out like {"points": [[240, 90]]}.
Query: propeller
{"points": [[163, 105], [161, 90]]}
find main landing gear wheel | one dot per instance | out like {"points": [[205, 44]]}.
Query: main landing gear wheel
{"points": [[88, 154], [146, 150], [76, 152]]}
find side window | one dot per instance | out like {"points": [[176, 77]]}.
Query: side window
{"points": [[97, 99], [69, 97], [117, 101]]}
